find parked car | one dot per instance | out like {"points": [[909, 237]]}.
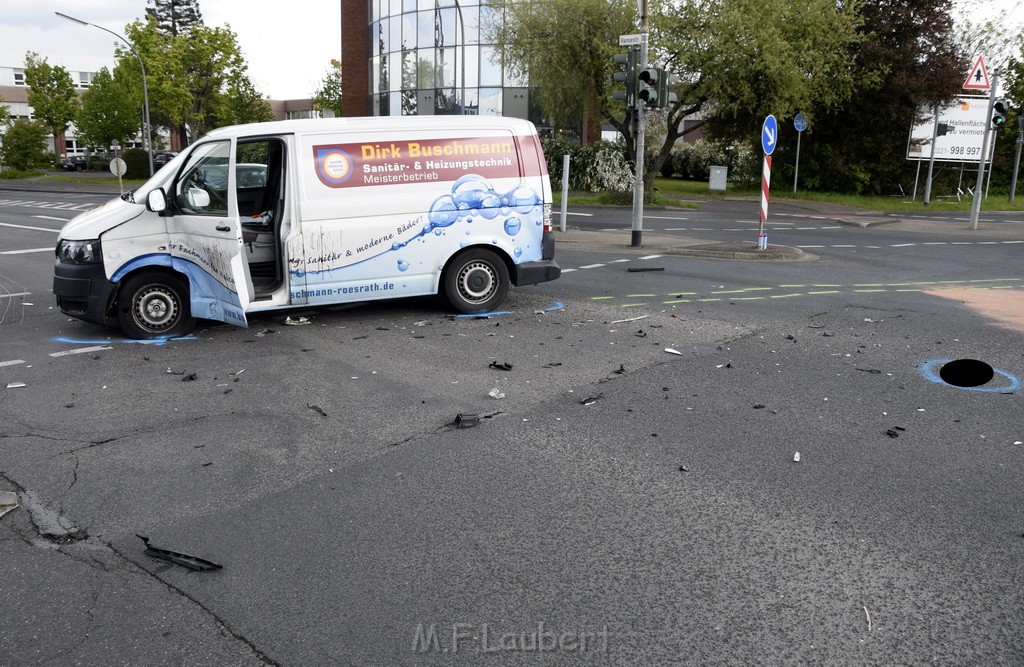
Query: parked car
{"points": [[75, 163], [161, 158]]}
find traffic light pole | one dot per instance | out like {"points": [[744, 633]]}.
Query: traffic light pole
{"points": [[976, 205], [638, 184], [1016, 160]]}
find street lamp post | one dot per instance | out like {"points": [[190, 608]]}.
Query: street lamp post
{"points": [[147, 130]]}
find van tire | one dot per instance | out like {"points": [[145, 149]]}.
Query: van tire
{"points": [[476, 282], [154, 305]]}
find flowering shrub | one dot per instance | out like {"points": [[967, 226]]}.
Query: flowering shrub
{"points": [[599, 167]]}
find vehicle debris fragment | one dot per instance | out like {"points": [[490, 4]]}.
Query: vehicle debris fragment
{"points": [[466, 420], [673, 351], [16, 385], [297, 322], [316, 408], [796, 457], [592, 399], [185, 560], [631, 319], [8, 501], [496, 393], [501, 367]]}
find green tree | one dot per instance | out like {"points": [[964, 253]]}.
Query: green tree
{"points": [[860, 146], [191, 76], [566, 49], [243, 103], [25, 144], [327, 96], [110, 111], [175, 17], [740, 60], [51, 95]]}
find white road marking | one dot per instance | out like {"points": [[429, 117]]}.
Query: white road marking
{"points": [[568, 270], [81, 350], [585, 215], [810, 246], [662, 217], [11, 296], [12, 362], [1013, 241], [651, 257], [26, 251], [844, 246], [50, 217], [38, 229], [592, 266], [618, 261], [901, 245]]}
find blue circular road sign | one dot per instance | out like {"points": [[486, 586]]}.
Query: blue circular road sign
{"points": [[769, 134], [800, 123]]}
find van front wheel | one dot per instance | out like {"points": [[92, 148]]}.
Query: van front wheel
{"points": [[154, 305], [476, 282]]}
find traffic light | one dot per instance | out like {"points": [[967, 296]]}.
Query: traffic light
{"points": [[999, 110], [664, 97], [628, 77], [649, 81]]}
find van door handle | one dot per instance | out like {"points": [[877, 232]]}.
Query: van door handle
{"points": [[223, 228]]}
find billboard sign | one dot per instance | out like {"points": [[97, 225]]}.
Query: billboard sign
{"points": [[966, 120]]}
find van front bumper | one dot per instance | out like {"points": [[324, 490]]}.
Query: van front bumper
{"points": [[83, 291]]}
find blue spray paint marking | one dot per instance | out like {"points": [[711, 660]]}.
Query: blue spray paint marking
{"points": [[127, 341], [930, 371], [558, 306], [486, 316]]}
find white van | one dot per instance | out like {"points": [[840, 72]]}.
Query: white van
{"points": [[292, 214]]}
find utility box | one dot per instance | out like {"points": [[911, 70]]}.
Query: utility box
{"points": [[719, 175]]}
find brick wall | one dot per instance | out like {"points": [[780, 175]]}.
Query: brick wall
{"points": [[355, 68]]}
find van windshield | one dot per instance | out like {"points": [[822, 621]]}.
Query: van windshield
{"points": [[160, 179]]}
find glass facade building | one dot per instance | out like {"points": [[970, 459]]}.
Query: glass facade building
{"points": [[431, 57]]}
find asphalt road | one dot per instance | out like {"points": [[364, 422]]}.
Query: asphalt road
{"points": [[621, 504]]}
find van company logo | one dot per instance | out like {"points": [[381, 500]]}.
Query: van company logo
{"points": [[333, 165]]}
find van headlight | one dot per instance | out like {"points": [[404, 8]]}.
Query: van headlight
{"points": [[79, 252]]}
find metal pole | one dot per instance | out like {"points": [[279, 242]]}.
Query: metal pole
{"points": [[991, 162], [976, 205], [565, 189], [462, 60], [147, 133], [931, 157], [1016, 160], [917, 177], [638, 185], [796, 169]]}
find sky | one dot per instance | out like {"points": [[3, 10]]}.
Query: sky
{"points": [[288, 45]]}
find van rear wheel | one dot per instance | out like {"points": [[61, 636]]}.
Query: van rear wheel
{"points": [[476, 282], [154, 305]]}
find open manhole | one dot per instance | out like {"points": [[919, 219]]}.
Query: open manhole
{"points": [[970, 375], [966, 373]]}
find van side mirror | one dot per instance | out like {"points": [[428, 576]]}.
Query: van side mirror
{"points": [[156, 200], [198, 198]]}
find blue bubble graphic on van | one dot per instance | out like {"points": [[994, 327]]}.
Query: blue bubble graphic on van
{"points": [[512, 226], [471, 190], [438, 232], [489, 206], [443, 212], [518, 252], [463, 243], [403, 265], [522, 199]]}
